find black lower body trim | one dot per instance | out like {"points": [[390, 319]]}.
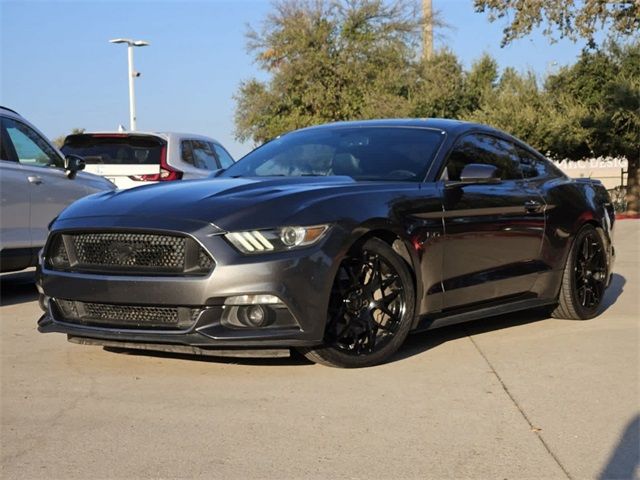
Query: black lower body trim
{"points": [[185, 349]]}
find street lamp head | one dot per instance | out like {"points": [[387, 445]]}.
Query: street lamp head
{"points": [[131, 43]]}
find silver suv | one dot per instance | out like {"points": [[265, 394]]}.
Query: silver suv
{"points": [[131, 159], [36, 183]]}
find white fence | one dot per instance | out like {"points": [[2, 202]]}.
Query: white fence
{"points": [[610, 170]]}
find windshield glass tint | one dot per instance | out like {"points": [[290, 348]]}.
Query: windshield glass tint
{"points": [[363, 153], [134, 150]]}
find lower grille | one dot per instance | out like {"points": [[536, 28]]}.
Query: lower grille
{"points": [[127, 316]]}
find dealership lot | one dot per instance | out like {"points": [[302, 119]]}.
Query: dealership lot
{"points": [[519, 396]]}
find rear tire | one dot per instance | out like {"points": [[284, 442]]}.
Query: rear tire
{"points": [[584, 278], [370, 311]]}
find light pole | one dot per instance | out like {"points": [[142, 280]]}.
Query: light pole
{"points": [[132, 74], [427, 32]]}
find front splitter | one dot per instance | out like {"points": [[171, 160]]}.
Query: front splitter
{"points": [[185, 349]]}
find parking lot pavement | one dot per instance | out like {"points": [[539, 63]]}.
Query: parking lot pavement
{"points": [[518, 396]]}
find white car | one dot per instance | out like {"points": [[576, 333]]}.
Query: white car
{"points": [[132, 159], [36, 183]]}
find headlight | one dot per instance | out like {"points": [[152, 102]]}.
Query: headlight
{"points": [[277, 239]]}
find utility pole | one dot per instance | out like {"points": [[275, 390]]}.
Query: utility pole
{"points": [[132, 75], [427, 33]]}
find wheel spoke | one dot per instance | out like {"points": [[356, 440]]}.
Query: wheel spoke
{"points": [[387, 282], [384, 309], [582, 294], [585, 248], [386, 300]]}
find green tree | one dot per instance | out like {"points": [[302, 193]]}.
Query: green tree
{"points": [[59, 141], [439, 87], [480, 83], [606, 83], [329, 60], [519, 106], [564, 19]]}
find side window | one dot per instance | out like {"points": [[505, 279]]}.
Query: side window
{"points": [[535, 167], [6, 149], [203, 155], [225, 159], [31, 148], [486, 149], [186, 152]]}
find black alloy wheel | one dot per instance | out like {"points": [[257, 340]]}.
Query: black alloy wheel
{"points": [[370, 309], [585, 277]]}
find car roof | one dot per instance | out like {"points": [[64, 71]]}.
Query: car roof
{"points": [[9, 112], [444, 124], [164, 135], [449, 126]]}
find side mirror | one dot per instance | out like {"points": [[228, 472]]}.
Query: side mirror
{"points": [[215, 173], [73, 164], [477, 174]]}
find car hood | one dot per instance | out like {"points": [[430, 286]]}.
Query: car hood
{"points": [[228, 203]]}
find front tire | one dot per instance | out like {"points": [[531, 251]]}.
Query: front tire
{"points": [[371, 309], [584, 278]]}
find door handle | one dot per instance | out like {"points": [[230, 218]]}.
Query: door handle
{"points": [[34, 179], [532, 206]]}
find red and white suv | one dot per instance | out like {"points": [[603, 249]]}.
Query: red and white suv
{"points": [[132, 159]]}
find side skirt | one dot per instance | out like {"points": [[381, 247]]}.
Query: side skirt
{"points": [[429, 322]]}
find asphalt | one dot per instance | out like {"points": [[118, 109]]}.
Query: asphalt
{"points": [[517, 396]]}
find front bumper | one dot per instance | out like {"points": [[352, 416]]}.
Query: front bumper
{"points": [[291, 276]]}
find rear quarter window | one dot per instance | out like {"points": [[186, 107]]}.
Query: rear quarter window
{"points": [[533, 166]]}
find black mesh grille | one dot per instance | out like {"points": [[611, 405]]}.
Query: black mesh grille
{"points": [[130, 249], [128, 316], [204, 261], [107, 252]]}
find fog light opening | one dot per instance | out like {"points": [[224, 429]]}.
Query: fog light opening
{"points": [[252, 311]]}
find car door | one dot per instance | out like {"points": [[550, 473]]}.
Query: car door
{"points": [[493, 232], [50, 190], [14, 199]]}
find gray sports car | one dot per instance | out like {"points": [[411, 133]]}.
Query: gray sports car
{"points": [[337, 240]]}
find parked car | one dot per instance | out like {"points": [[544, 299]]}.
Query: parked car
{"points": [[36, 183], [134, 158], [337, 240]]}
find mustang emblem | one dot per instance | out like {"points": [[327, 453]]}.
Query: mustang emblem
{"points": [[123, 251]]}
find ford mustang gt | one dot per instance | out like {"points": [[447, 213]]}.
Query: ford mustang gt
{"points": [[337, 240]]}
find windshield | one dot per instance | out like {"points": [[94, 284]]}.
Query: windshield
{"points": [[363, 153], [116, 149]]}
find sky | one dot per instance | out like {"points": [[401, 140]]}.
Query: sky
{"points": [[58, 69]]}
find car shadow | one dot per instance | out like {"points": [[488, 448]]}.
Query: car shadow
{"points": [[18, 287], [624, 460], [421, 342], [616, 287]]}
